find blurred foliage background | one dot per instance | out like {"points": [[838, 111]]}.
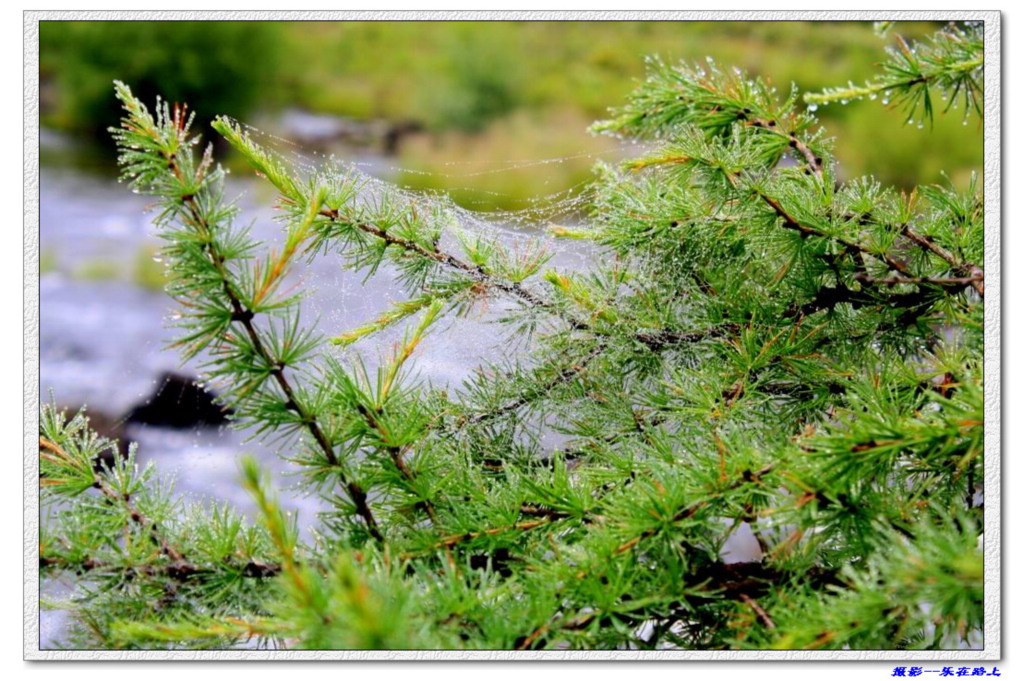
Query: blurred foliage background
{"points": [[467, 95]]}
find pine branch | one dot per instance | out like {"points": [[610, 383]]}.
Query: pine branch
{"points": [[167, 139], [179, 571], [814, 162], [122, 500], [974, 276], [563, 376], [514, 289], [951, 59], [339, 218], [943, 282], [691, 510]]}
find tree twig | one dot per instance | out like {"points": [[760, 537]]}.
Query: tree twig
{"points": [[244, 316], [180, 571], [762, 614]]}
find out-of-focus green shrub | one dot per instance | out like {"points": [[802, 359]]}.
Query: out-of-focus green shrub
{"points": [[215, 66], [482, 78], [478, 80]]}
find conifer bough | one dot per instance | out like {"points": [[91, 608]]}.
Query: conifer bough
{"points": [[766, 349]]}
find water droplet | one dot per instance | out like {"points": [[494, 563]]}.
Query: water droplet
{"points": [[812, 108], [844, 102], [873, 96], [885, 101], [157, 258]]}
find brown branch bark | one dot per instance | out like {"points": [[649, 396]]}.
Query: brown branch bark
{"points": [[762, 614], [944, 282], [974, 274], [514, 289], [181, 571]]}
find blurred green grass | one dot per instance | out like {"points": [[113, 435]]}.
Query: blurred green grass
{"points": [[143, 269], [485, 91]]}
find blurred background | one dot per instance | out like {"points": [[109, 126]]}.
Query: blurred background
{"points": [[493, 113], [429, 93]]}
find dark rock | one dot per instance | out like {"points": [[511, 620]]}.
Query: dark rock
{"points": [[396, 134], [179, 403], [321, 131]]}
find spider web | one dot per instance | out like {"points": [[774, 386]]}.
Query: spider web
{"points": [[339, 300]]}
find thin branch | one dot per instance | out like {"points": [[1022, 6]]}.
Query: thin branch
{"points": [[528, 641], [762, 614], [944, 282], [975, 275], [654, 340], [541, 512], [564, 375], [396, 457], [244, 316], [452, 540], [692, 509], [123, 500], [790, 222], [814, 162], [544, 516], [513, 288], [181, 571]]}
